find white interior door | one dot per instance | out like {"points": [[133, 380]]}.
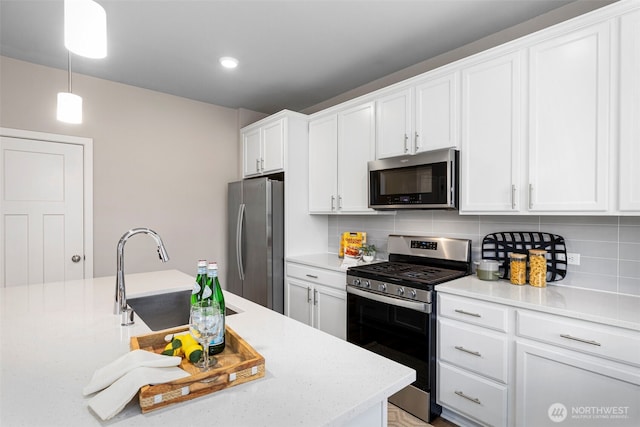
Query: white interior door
{"points": [[42, 211]]}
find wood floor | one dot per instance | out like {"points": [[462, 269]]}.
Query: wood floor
{"points": [[399, 418]]}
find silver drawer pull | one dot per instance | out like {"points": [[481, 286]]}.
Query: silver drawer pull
{"points": [[467, 313], [473, 399], [569, 337], [475, 353], [312, 276]]}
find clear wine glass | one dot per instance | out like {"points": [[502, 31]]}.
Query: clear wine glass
{"points": [[205, 323]]}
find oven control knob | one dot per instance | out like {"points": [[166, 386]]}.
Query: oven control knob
{"points": [[367, 284], [414, 294], [382, 287], [356, 282], [400, 291]]}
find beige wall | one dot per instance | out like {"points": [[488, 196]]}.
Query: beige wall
{"points": [[160, 161]]}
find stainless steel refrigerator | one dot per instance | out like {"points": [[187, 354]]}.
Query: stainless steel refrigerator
{"points": [[256, 241]]}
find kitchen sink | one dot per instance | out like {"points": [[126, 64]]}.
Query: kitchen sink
{"points": [[162, 311]]}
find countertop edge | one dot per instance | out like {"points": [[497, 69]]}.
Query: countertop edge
{"points": [[624, 318]]}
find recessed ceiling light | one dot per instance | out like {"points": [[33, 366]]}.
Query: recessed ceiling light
{"points": [[228, 62]]}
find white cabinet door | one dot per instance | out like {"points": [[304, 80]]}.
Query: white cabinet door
{"points": [[273, 147], [393, 124], [569, 89], [491, 137], [629, 177], [251, 150], [323, 164], [562, 386], [437, 113], [356, 146], [299, 297], [331, 311]]}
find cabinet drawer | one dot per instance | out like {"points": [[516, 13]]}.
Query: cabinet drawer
{"points": [[321, 276], [605, 341], [472, 395], [472, 348], [473, 311]]}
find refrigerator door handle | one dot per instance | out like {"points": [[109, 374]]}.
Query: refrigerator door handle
{"points": [[239, 241]]}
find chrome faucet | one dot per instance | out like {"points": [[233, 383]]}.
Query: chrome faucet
{"points": [[120, 306]]}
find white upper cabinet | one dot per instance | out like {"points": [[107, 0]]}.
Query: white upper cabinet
{"points": [[569, 126], [273, 146], [340, 145], [356, 136], [437, 104], [419, 118], [323, 163], [263, 147], [251, 152], [393, 123], [629, 178], [491, 135]]}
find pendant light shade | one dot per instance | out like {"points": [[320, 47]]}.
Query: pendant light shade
{"points": [[69, 105], [69, 108], [85, 28]]}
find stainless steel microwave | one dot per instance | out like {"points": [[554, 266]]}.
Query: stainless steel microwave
{"points": [[427, 180]]}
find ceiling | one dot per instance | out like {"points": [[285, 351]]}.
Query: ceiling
{"points": [[293, 54]]}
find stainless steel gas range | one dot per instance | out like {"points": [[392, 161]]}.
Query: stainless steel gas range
{"points": [[391, 309]]}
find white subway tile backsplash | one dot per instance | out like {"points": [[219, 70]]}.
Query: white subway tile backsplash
{"points": [[609, 246]]}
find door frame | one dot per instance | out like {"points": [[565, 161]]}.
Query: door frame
{"points": [[87, 144]]}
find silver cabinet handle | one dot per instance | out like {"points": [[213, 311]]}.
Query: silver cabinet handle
{"points": [[467, 313], [312, 276], [261, 164], [475, 353], [257, 165], [339, 202], [333, 203], [406, 139], [473, 399], [315, 297], [530, 196], [569, 337], [76, 258], [513, 196], [308, 294], [415, 142]]}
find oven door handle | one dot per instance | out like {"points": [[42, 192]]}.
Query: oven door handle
{"points": [[411, 305]]}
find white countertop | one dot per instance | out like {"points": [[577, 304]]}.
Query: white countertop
{"points": [[54, 336], [323, 260], [601, 307]]}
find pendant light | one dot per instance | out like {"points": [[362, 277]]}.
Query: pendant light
{"points": [[85, 28], [69, 104]]}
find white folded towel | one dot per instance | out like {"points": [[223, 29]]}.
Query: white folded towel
{"points": [[106, 375], [112, 400]]}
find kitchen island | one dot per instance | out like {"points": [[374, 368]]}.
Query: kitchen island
{"points": [[54, 336]]}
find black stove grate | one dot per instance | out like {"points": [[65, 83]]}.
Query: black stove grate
{"points": [[411, 273]]}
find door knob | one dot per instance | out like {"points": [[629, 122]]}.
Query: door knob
{"points": [[76, 258]]}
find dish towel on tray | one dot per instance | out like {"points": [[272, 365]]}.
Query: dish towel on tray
{"points": [[113, 399], [106, 375], [121, 379]]}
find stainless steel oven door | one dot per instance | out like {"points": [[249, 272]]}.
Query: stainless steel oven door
{"points": [[400, 330]]}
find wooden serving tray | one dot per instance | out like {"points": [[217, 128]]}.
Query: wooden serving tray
{"points": [[238, 363]]}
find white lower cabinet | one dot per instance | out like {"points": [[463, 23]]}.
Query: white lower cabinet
{"points": [[473, 362], [317, 297], [575, 372], [555, 385], [474, 396], [501, 365]]}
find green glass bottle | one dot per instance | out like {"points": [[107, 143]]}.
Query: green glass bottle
{"points": [[217, 343], [199, 284]]}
